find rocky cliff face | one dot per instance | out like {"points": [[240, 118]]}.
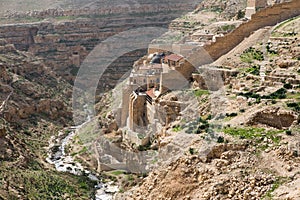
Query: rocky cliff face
{"points": [[29, 89], [68, 36]]}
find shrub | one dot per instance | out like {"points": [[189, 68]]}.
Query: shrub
{"points": [[251, 54], [192, 151], [177, 128], [249, 95], [273, 101], [294, 106], [241, 14], [279, 94], [288, 86], [220, 139], [288, 132], [199, 93], [253, 70], [231, 115]]}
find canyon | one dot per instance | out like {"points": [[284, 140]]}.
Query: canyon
{"points": [[230, 130], [64, 38]]}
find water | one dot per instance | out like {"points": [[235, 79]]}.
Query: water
{"points": [[63, 162]]}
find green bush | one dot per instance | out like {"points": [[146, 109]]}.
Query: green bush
{"points": [[241, 14], [228, 28], [253, 70], [177, 128], [288, 132], [279, 94], [199, 93], [220, 139], [295, 106], [288, 86], [231, 114], [249, 95], [251, 54], [192, 151]]}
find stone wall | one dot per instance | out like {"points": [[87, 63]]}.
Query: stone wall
{"points": [[213, 78], [126, 92], [266, 17], [172, 81], [269, 16], [137, 112]]}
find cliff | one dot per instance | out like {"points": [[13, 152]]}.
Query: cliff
{"points": [[68, 36]]}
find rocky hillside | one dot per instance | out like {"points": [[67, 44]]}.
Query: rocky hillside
{"points": [[35, 104], [251, 149], [40, 53]]}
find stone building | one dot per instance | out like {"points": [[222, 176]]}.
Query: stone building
{"points": [[253, 6], [146, 83], [174, 61], [146, 76]]}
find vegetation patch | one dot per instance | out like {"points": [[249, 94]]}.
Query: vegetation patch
{"points": [[251, 54], [198, 126], [294, 106], [253, 70], [279, 94], [256, 134], [177, 128], [249, 95], [279, 181], [50, 185], [199, 93], [227, 28]]}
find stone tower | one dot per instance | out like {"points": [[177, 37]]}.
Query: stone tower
{"points": [[253, 6]]}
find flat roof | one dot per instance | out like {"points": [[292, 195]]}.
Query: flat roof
{"points": [[174, 57], [154, 66], [151, 93]]}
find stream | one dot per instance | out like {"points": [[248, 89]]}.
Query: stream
{"points": [[63, 162]]}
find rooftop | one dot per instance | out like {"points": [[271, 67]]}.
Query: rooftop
{"points": [[154, 66], [174, 57], [151, 93]]}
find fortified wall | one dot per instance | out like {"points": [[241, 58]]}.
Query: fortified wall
{"points": [[269, 16], [266, 17]]}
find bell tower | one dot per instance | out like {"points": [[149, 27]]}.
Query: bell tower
{"points": [[253, 6]]}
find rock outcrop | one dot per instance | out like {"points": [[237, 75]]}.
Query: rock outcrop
{"points": [[273, 117]]}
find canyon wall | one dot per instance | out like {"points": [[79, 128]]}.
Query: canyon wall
{"points": [[65, 39]]}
